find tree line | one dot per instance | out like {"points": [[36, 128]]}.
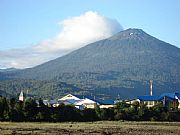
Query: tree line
{"points": [[31, 110]]}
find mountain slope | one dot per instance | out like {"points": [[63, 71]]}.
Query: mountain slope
{"points": [[122, 64], [8, 69], [36, 88]]}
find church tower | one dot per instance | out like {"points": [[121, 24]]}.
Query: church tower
{"points": [[21, 96]]}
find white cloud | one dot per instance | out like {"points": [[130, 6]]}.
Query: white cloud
{"points": [[76, 32]]}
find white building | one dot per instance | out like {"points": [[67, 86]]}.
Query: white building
{"points": [[21, 96], [69, 97], [86, 103]]}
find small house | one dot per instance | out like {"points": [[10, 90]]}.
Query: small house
{"points": [[150, 101], [108, 103], [171, 100], [86, 103]]}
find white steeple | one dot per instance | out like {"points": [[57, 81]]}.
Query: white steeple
{"points": [[21, 96]]}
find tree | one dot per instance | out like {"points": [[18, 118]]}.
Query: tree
{"points": [[143, 111], [135, 105], [43, 112], [159, 112], [3, 108], [121, 110], [12, 113], [122, 105], [30, 109], [70, 113], [89, 115], [107, 114], [20, 112]]}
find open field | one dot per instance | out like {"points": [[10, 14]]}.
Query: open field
{"points": [[95, 128]]}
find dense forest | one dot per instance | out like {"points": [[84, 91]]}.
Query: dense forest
{"points": [[31, 110], [36, 88], [122, 64]]}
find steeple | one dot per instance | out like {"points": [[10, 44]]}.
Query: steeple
{"points": [[21, 96]]}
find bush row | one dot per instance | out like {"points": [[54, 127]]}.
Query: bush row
{"points": [[12, 110]]}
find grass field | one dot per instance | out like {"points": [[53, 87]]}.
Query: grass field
{"points": [[95, 128]]}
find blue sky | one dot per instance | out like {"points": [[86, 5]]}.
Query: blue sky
{"points": [[27, 23]]}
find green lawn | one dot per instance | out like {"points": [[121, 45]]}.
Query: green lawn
{"points": [[100, 127]]}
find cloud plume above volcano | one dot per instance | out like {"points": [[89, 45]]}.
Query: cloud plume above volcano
{"points": [[76, 32]]}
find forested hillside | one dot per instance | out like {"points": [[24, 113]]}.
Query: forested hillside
{"points": [[122, 64], [36, 88]]}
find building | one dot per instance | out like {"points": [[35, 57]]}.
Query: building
{"points": [[85, 103], [81, 102], [21, 96], [131, 101], [108, 103], [171, 100], [150, 101]]}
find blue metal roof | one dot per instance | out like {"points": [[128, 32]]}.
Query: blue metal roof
{"points": [[178, 95], [68, 101], [105, 102], [72, 101], [171, 95], [149, 98], [169, 98], [84, 96]]}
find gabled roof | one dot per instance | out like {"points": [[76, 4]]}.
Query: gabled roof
{"points": [[105, 102], [69, 96], [99, 101], [85, 101], [168, 98], [171, 95], [78, 98]]}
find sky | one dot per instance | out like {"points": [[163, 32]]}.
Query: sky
{"points": [[35, 31]]}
